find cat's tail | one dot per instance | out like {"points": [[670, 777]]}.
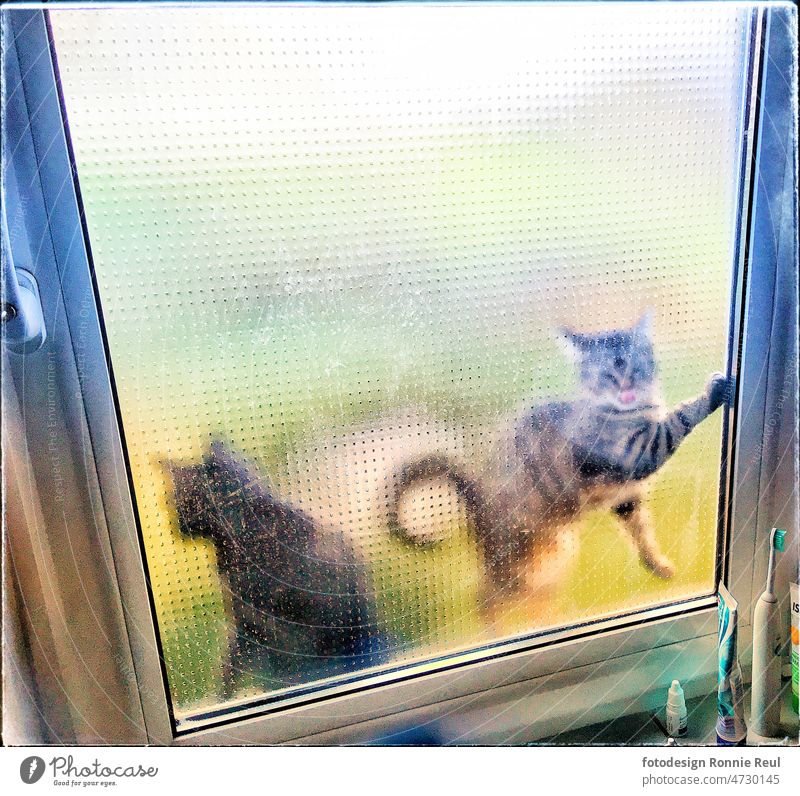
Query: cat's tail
{"points": [[430, 468]]}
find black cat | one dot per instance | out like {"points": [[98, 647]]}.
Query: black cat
{"points": [[297, 595]]}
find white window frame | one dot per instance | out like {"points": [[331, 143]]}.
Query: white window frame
{"points": [[509, 692]]}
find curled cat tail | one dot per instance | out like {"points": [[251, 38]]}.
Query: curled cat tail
{"points": [[429, 468]]}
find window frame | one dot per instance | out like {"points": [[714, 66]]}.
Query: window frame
{"points": [[541, 664]]}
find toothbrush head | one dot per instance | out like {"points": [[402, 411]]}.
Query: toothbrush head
{"points": [[778, 537]]}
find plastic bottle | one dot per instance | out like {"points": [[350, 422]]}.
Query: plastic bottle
{"points": [[731, 726], [677, 717]]}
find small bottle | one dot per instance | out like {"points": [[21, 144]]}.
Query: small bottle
{"points": [[676, 711]]}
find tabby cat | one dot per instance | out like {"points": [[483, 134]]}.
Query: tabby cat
{"points": [[565, 457]]}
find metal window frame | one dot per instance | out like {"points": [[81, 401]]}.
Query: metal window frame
{"points": [[95, 518]]}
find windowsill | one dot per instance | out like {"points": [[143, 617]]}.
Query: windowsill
{"points": [[646, 729]]}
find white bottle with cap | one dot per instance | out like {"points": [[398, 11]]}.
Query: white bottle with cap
{"points": [[676, 711]]}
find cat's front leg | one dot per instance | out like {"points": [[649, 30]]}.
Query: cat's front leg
{"points": [[655, 442], [635, 518], [232, 664], [688, 415]]}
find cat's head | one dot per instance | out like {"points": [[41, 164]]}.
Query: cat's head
{"points": [[617, 368], [203, 491]]}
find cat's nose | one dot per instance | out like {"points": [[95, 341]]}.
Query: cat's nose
{"points": [[627, 396]]}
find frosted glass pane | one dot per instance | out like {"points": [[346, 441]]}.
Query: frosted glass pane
{"points": [[337, 249]]}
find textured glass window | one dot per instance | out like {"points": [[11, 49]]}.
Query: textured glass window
{"points": [[337, 250]]}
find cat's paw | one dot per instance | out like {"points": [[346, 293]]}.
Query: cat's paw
{"points": [[719, 391]]}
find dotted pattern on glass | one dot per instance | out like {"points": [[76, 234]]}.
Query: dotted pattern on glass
{"points": [[334, 248]]}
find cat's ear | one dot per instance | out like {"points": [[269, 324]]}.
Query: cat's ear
{"points": [[168, 467], [644, 326], [573, 343], [219, 454]]}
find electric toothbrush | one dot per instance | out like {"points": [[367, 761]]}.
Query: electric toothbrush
{"points": [[767, 643]]}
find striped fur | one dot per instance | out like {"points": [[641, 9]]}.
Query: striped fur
{"points": [[563, 458]]}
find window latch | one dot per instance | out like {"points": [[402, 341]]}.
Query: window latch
{"points": [[21, 315]]}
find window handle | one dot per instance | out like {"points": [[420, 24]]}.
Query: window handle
{"points": [[21, 316]]}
